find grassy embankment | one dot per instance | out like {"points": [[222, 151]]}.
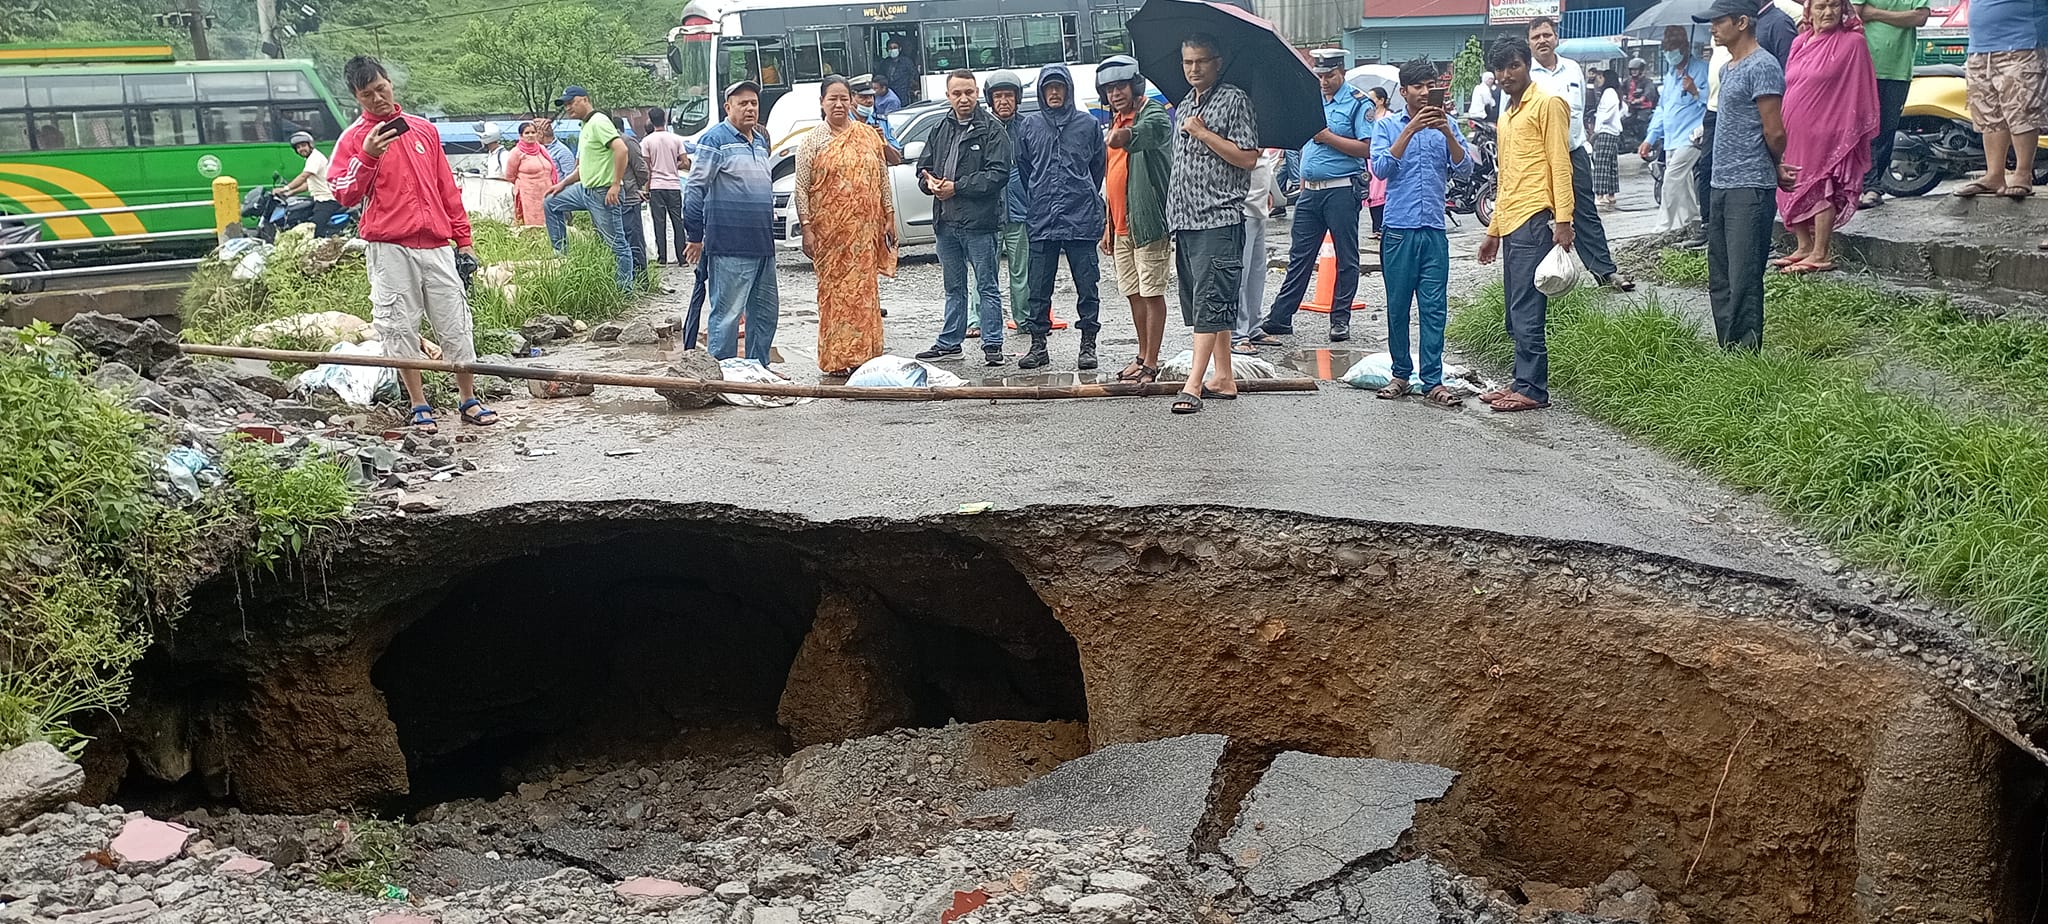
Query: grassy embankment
{"points": [[1956, 500]]}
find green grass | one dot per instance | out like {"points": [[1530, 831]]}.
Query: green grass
{"points": [[1957, 502], [371, 854], [291, 500]]}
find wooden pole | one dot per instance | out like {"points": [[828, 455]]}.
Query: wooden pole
{"points": [[780, 390]]}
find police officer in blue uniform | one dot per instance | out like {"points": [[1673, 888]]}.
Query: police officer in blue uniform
{"points": [[1333, 183], [863, 88]]}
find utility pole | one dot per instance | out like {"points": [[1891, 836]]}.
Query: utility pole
{"points": [[266, 27], [195, 18]]}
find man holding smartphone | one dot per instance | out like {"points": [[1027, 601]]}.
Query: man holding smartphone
{"points": [[392, 164], [1417, 153]]}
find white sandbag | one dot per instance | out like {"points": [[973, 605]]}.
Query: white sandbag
{"points": [[1558, 272], [1241, 367], [887, 371], [329, 326], [354, 384], [1374, 372], [747, 370]]}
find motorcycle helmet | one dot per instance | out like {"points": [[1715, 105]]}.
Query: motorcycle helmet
{"points": [[1001, 80], [299, 138], [1117, 69], [1637, 64]]}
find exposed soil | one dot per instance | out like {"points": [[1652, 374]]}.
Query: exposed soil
{"points": [[1589, 699]]}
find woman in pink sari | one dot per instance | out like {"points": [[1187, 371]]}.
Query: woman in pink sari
{"points": [[532, 173], [1830, 113]]}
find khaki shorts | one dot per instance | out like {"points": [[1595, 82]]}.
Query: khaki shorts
{"points": [[1141, 271], [408, 286], [2008, 90]]}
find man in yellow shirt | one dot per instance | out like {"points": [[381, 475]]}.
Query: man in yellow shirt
{"points": [[1531, 213]]}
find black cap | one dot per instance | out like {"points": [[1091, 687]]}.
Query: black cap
{"points": [[1727, 8], [739, 85]]}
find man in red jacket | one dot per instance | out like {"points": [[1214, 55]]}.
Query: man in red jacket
{"points": [[392, 163]]}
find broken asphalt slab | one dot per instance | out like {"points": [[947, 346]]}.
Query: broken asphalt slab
{"points": [[1160, 785], [1311, 818]]}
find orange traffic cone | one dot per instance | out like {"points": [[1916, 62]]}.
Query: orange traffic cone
{"points": [[1057, 324], [1326, 282]]}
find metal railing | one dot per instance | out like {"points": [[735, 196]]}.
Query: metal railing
{"points": [[1600, 22], [226, 205]]}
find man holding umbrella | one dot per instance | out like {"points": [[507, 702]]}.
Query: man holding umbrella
{"points": [[1215, 145]]}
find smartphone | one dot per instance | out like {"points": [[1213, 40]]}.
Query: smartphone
{"points": [[1436, 97], [397, 124]]}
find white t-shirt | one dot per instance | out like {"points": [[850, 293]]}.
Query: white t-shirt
{"points": [[1607, 119], [316, 177], [1567, 80]]}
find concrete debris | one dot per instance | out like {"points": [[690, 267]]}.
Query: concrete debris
{"points": [[145, 842], [637, 332], [140, 345], [1162, 786], [606, 331], [547, 328], [1311, 817], [692, 364], [245, 866], [35, 778], [124, 913]]}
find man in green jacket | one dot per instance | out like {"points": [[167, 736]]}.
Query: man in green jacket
{"points": [[1135, 235]]}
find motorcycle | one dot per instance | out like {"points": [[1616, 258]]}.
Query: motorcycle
{"points": [[1473, 194], [1935, 140], [18, 231], [274, 213]]}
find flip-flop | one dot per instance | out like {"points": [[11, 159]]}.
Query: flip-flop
{"points": [[1214, 395], [1974, 189], [1244, 348], [1783, 262], [2022, 193], [1265, 339], [1518, 402], [1797, 269], [1819, 267], [1186, 403]]}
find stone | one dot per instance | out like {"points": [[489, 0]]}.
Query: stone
{"points": [[731, 891], [174, 892], [544, 388], [1621, 881], [119, 914], [1119, 880], [1058, 896], [143, 394], [1309, 817], [1161, 785], [545, 328], [146, 842], [692, 364], [35, 778], [872, 902], [606, 332], [650, 887], [1545, 896], [777, 877], [140, 345], [1638, 904], [637, 332], [777, 915], [1109, 906], [250, 867], [399, 917]]}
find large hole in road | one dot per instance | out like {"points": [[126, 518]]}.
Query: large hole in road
{"points": [[1719, 734]]}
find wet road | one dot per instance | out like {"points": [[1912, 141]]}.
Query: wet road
{"points": [[1338, 452]]}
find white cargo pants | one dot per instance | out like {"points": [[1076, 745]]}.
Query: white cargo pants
{"points": [[408, 285]]}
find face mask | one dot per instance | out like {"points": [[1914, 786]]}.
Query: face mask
{"points": [[894, 52], [1673, 57], [865, 112]]}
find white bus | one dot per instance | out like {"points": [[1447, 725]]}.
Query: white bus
{"points": [[789, 45]]}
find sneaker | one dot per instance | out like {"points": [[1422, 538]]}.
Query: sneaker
{"points": [[1617, 281], [994, 358], [1340, 333], [939, 353]]}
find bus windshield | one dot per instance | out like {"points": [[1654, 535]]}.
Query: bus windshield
{"points": [[691, 59]]}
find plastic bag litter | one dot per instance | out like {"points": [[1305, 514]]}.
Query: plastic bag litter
{"points": [[1374, 372], [1558, 272], [897, 372], [747, 370], [251, 263], [1241, 367], [357, 385], [190, 471], [315, 325], [235, 248]]}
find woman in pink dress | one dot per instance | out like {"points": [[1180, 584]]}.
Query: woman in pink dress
{"points": [[1376, 190], [1830, 112], [532, 172]]}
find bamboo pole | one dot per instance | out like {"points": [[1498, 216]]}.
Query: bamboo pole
{"points": [[781, 390]]}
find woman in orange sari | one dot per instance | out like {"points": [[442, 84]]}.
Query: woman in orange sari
{"points": [[848, 218]]}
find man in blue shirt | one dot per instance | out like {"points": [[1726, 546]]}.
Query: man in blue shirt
{"points": [[886, 100], [1332, 165], [1416, 154], [2005, 72], [729, 216], [1680, 108]]}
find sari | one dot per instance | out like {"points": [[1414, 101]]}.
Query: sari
{"points": [[847, 212], [1831, 114]]}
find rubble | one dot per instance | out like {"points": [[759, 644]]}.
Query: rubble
{"points": [[34, 778], [1160, 785], [140, 345]]}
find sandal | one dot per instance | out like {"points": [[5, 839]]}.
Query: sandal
{"points": [[1516, 401], [1244, 348], [474, 413], [1783, 262], [1395, 388], [1147, 377], [1185, 403], [422, 420], [1442, 396], [1214, 395], [2016, 192], [1263, 338], [974, 333], [1495, 395], [1131, 372], [1973, 189]]}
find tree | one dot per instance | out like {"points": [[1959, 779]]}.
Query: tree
{"points": [[524, 60], [1465, 70]]}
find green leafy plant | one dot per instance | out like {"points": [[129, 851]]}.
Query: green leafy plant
{"points": [[292, 501], [1466, 68], [370, 856]]}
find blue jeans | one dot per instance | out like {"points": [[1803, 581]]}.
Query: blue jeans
{"points": [[743, 284], [1319, 211], [606, 218], [958, 251], [1417, 266], [1084, 262]]}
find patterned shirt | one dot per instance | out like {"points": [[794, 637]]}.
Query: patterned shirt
{"points": [[728, 201], [1205, 190]]}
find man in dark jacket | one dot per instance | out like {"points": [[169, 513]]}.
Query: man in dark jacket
{"points": [[965, 166], [1140, 134], [1061, 157], [1005, 92]]}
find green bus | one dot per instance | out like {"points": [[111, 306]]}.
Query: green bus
{"points": [[102, 126]]}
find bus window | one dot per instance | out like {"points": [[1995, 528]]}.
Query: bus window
{"points": [[290, 85], [233, 86], [817, 52], [945, 46], [1036, 41], [236, 124], [100, 128], [1111, 36], [752, 59], [12, 95], [13, 131], [72, 92], [984, 44], [306, 116], [158, 88], [160, 126], [691, 59]]}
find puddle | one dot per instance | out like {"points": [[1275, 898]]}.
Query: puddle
{"points": [[1326, 364]]}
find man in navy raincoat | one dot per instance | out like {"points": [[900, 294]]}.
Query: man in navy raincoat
{"points": [[1061, 159]]}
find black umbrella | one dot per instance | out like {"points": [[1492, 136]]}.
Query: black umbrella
{"points": [[1257, 59]]}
